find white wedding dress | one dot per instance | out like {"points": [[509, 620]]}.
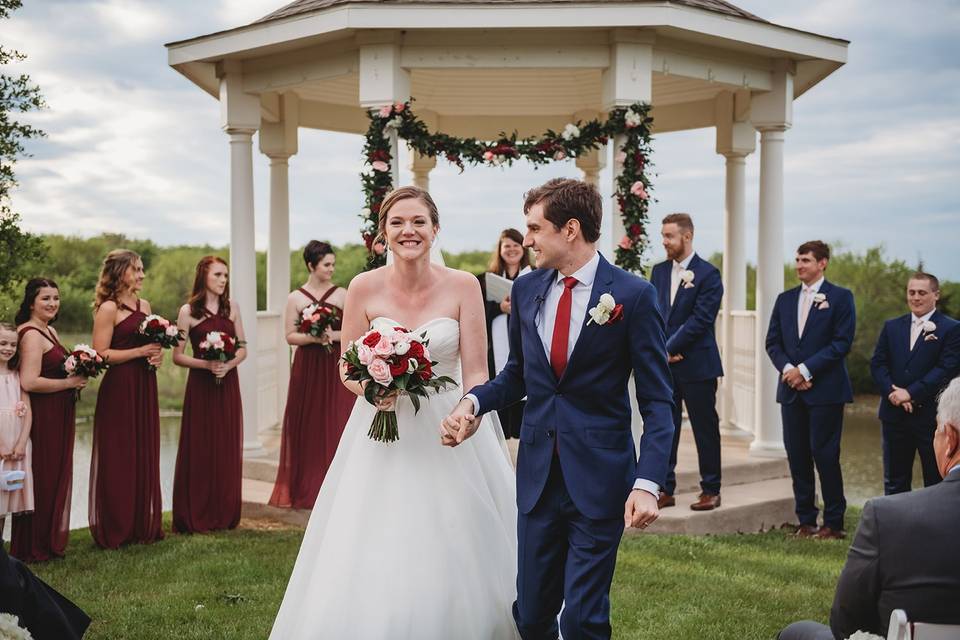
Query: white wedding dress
{"points": [[410, 540]]}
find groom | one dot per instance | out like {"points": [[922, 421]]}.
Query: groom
{"points": [[579, 481]]}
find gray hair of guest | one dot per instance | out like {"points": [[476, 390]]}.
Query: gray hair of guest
{"points": [[948, 405]]}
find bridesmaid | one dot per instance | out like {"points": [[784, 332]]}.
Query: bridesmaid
{"points": [[42, 535], [318, 404], [208, 476], [125, 503]]}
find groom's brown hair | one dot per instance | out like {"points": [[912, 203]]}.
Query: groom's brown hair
{"points": [[565, 199]]}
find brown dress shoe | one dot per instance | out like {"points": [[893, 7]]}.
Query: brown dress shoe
{"points": [[666, 500], [706, 502], [826, 533], [806, 531]]}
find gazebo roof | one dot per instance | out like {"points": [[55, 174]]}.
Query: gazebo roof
{"points": [[301, 7]]}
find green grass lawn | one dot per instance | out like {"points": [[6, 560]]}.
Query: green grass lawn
{"points": [[703, 588]]}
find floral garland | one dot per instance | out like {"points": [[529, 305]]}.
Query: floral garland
{"points": [[633, 186]]}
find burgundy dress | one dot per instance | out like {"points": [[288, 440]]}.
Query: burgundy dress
{"points": [[318, 406], [207, 481], [125, 503], [43, 534]]}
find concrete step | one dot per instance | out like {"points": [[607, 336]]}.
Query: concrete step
{"points": [[263, 469], [735, 470], [746, 508], [256, 493]]}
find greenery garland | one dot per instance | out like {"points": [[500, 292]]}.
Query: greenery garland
{"points": [[633, 186]]}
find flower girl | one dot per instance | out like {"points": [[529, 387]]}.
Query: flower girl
{"points": [[16, 489]]}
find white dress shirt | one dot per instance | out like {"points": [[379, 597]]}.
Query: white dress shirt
{"points": [[916, 326], [810, 291], [547, 316], [683, 265]]}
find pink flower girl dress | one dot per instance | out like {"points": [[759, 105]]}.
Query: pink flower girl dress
{"points": [[12, 412]]}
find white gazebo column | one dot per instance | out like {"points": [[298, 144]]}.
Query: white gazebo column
{"points": [[736, 139], [383, 81], [628, 79], [592, 162], [278, 141], [421, 166], [240, 118], [772, 115]]}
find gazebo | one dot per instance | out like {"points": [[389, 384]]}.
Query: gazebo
{"points": [[479, 67]]}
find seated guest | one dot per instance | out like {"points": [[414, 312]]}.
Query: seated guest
{"points": [[904, 555], [46, 614], [510, 259], [916, 356]]}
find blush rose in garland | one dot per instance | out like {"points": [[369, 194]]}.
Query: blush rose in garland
{"points": [[632, 190]]}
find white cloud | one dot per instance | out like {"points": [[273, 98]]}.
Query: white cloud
{"points": [[133, 20], [236, 13]]}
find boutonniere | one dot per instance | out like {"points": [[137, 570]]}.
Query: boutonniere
{"points": [[686, 277], [928, 328], [820, 301], [607, 311]]}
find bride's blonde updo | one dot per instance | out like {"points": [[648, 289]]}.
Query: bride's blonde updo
{"points": [[405, 193]]}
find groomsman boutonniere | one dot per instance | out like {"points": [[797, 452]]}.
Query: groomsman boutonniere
{"points": [[607, 311], [686, 277], [820, 301], [928, 329]]}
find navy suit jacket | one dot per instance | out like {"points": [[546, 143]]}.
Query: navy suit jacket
{"points": [[823, 347], [923, 371], [586, 413], [692, 319]]}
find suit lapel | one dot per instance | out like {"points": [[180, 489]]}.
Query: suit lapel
{"points": [[791, 326], [663, 289], [601, 285], [694, 262], [533, 323]]}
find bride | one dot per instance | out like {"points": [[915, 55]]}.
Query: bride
{"points": [[412, 539]]}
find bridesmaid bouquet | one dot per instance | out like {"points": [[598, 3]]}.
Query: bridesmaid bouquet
{"points": [[219, 346], [84, 361], [159, 330], [394, 361], [317, 318]]}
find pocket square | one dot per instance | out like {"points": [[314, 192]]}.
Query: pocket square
{"points": [[929, 337], [823, 305]]}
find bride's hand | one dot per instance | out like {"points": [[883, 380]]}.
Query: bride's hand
{"points": [[388, 401]]}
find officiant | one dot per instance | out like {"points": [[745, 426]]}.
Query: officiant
{"points": [[508, 261]]}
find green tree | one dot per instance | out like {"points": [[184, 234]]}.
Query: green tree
{"points": [[17, 95]]}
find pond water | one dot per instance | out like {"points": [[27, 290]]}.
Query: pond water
{"points": [[860, 457]]}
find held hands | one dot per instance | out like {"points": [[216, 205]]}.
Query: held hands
{"points": [[901, 398], [795, 380], [459, 425], [674, 358], [75, 382], [640, 510], [217, 368], [505, 305], [153, 353], [326, 338]]}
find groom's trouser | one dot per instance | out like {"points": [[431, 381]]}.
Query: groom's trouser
{"points": [[565, 559], [700, 398]]}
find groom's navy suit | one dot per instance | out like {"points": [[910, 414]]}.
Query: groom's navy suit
{"points": [[923, 371], [691, 332], [813, 419], [577, 463]]}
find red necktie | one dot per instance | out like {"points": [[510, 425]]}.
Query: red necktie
{"points": [[561, 328]]}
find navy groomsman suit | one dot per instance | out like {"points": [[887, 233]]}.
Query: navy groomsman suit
{"points": [[813, 419], [691, 332], [923, 369]]}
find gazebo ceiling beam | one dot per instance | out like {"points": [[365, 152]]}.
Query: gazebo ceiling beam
{"points": [[297, 70]]}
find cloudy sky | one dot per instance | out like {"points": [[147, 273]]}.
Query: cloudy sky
{"points": [[873, 157]]}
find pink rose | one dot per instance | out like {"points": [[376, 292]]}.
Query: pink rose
{"points": [[560, 154], [204, 345], [398, 107], [626, 243], [488, 155], [386, 110], [364, 354], [384, 347], [378, 248], [379, 370], [638, 190], [380, 165]]}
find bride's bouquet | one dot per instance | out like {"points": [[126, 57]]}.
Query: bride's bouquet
{"points": [[317, 318], [157, 329], [84, 361], [392, 361], [219, 346]]}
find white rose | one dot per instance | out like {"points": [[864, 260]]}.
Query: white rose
{"points": [[929, 327], [570, 131], [599, 315], [632, 119], [411, 365], [401, 347], [819, 297], [686, 276], [607, 302], [171, 330]]}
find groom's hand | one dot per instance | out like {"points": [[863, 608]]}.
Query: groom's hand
{"points": [[640, 510], [459, 425]]}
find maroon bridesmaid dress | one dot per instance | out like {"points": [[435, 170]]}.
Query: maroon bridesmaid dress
{"points": [[207, 481], [125, 503], [43, 534], [318, 406]]}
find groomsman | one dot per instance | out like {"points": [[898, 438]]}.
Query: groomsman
{"points": [[810, 334], [689, 290], [916, 356]]}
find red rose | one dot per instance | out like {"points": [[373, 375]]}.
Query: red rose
{"points": [[426, 373], [229, 346], [399, 368], [154, 324], [372, 339], [635, 230], [401, 329], [416, 350], [616, 315], [305, 326]]}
